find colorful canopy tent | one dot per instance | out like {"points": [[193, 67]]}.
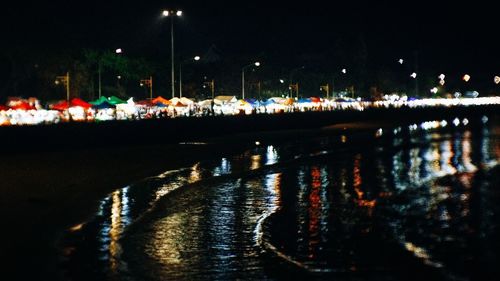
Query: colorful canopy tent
{"points": [[80, 103], [186, 101], [205, 103], [268, 102], [115, 100], [62, 105], [289, 101], [161, 100], [99, 100], [253, 102], [144, 103], [315, 99], [22, 106], [104, 105], [220, 100]]}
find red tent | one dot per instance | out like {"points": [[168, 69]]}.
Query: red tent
{"points": [[315, 99], [4, 108], [63, 105], [81, 103], [23, 106]]}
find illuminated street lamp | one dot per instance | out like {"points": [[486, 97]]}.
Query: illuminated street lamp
{"points": [[441, 79], [243, 77], [172, 14], [496, 79], [196, 58], [466, 77]]}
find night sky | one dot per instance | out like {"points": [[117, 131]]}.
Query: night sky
{"points": [[448, 35]]}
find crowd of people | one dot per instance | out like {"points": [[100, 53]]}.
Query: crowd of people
{"points": [[18, 111]]}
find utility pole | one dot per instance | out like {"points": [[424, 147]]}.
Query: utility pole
{"points": [[325, 88], [148, 83], [65, 80]]}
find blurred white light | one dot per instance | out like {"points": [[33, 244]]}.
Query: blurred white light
{"points": [[257, 143], [496, 79], [401, 61], [179, 13], [257, 64], [197, 58], [465, 121], [434, 90], [282, 81], [466, 78], [344, 70], [484, 119], [441, 76], [413, 75], [118, 51], [456, 121], [166, 13]]}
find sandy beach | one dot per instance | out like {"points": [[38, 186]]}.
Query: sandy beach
{"points": [[44, 192]]}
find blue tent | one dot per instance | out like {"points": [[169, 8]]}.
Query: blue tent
{"points": [[103, 105]]}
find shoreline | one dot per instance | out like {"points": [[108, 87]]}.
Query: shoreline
{"points": [[44, 192]]}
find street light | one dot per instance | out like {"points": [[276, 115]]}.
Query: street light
{"points": [[65, 80], [296, 85], [196, 58], [243, 77], [172, 14], [148, 83]]}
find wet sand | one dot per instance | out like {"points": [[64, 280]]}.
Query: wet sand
{"points": [[46, 192]]}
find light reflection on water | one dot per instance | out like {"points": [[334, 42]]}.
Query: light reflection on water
{"points": [[356, 212]]}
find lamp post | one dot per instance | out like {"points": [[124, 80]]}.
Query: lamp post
{"points": [[325, 88], [65, 80], [211, 85], [148, 83], [296, 85], [197, 58], [172, 14], [243, 77]]}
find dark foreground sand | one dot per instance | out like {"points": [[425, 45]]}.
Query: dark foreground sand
{"points": [[43, 193]]}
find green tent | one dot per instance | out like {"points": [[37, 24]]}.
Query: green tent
{"points": [[99, 100], [115, 100]]}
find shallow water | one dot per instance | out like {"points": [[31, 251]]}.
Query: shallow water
{"points": [[414, 202]]}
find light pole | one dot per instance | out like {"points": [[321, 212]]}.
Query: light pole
{"points": [[172, 14], [243, 77], [148, 83], [65, 80], [197, 58], [294, 86]]}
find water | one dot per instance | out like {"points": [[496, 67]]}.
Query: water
{"points": [[419, 202]]}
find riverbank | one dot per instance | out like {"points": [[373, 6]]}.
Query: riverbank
{"points": [[45, 191]]}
